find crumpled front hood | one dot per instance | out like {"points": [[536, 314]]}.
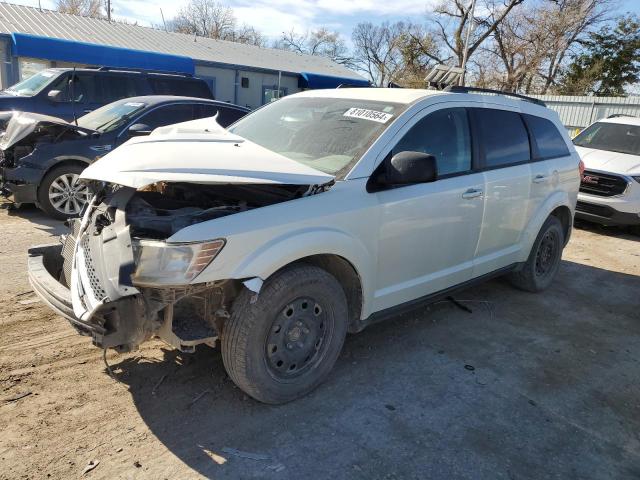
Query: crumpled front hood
{"points": [[199, 151], [614, 162], [21, 124]]}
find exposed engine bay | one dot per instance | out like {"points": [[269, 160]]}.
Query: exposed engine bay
{"points": [[160, 210], [99, 261], [23, 131]]}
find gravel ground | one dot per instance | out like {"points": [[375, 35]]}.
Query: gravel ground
{"points": [[525, 386]]}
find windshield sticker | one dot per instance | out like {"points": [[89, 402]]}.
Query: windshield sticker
{"points": [[366, 114]]}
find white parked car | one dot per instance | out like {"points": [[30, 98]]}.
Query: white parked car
{"points": [[310, 218], [610, 188]]}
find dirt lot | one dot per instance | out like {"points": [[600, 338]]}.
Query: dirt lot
{"points": [[525, 386]]}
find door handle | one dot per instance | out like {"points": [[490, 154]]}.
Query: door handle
{"points": [[88, 111], [472, 193], [540, 179]]}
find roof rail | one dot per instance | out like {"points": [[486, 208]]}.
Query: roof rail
{"points": [[617, 115], [461, 89], [143, 71], [352, 85]]}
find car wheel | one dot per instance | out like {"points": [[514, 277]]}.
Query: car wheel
{"points": [[280, 344], [61, 195], [544, 260]]}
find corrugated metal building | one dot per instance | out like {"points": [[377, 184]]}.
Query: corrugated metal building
{"points": [[32, 39], [577, 112]]}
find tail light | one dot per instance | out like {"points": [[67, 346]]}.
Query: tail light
{"points": [[581, 168]]}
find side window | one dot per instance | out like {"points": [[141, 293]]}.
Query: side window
{"points": [[116, 87], [179, 86], [227, 115], [79, 87], [503, 135], [168, 115], [548, 140], [443, 134]]}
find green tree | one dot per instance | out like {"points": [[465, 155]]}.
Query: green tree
{"points": [[609, 62]]}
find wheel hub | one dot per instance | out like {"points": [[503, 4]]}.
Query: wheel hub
{"points": [[67, 194], [545, 257], [296, 337]]}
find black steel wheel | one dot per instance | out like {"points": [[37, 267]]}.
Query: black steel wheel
{"points": [[543, 263], [297, 338], [281, 345]]}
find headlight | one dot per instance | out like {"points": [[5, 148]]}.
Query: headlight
{"points": [[162, 263]]}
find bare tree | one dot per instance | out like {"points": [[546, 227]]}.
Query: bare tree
{"points": [[320, 42], [85, 8], [377, 50], [419, 51], [533, 43], [451, 20], [208, 18], [249, 35]]}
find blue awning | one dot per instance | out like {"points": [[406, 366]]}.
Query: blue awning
{"points": [[25, 45], [317, 81]]}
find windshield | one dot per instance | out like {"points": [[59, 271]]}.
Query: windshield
{"points": [[34, 84], [328, 134], [110, 117], [614, 137]]}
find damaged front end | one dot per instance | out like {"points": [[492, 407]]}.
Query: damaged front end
{"points": [[116, 278], [22, 134]]}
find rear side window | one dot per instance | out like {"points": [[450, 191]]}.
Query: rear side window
{"points": [[117, 87], [168, 115], [180, 86], [549, 142], [503, 137], [226, 117], [443, 134]]}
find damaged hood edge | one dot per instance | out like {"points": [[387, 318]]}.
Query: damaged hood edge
{"points": [[199, 152], [20, 124]]}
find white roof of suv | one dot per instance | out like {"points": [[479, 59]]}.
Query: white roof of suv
{"points": [[624, 120], [395, 95]]}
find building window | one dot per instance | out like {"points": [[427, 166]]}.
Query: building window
{"points": [[270, 93], [244, 81]]}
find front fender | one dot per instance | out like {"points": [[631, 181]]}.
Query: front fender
{"points": [[283, 250], [557, 199]]}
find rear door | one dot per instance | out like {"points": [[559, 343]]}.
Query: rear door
{"points": [[505, 156], [428, 232], [547, 146]]}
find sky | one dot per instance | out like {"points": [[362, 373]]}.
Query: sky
{"points": [[272, 17]]}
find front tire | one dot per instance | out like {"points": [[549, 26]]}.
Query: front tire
{"points": [[61, 195], [544, 260], [283, 344]]}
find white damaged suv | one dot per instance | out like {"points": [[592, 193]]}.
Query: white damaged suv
{"points": [[314, 216]]}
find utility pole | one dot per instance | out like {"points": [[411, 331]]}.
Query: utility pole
{"points": [[466, 42], [109, 10]]}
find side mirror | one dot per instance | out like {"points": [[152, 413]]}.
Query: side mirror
{"points": [[55, 96], [406, 168], [139, 129]]}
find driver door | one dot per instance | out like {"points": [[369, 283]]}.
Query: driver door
{"points": [[428, 232]]}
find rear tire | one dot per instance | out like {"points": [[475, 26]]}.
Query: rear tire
{"points": [[544, 260], [60, 195], [283, 344]]}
